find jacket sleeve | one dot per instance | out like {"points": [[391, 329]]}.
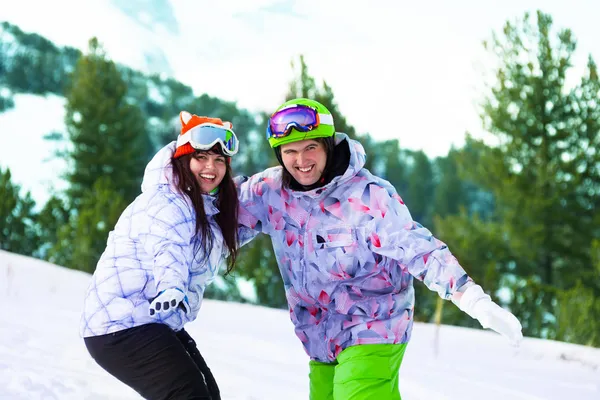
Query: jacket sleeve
{"points": [[251, 209], [167, 234], [392, 233]]}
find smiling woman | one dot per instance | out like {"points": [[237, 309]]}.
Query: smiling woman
{"points": [[165, 249]]}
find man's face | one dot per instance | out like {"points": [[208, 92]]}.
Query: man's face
{"points": [[304, 160]]}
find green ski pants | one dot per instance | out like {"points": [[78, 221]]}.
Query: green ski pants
{"points": [[361, 372]]}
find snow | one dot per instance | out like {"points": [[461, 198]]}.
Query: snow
{"points": [[23, 148], [255, 355]]}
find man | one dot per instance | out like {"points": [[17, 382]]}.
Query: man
{"points": [[348, 249]]}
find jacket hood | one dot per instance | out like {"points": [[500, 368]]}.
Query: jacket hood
{"points": [[159, 172]]}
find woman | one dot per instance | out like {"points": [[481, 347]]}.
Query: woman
{"points": [[165, 248]]}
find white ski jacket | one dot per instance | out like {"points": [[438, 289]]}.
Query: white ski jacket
{"points": [[153, 247]]}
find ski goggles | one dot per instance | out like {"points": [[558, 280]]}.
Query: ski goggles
{"points": [[205, 136], [299, 117]]}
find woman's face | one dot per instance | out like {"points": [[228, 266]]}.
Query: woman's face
{"points": [[209, 169]]}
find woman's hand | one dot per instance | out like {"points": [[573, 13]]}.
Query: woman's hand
{"points": [[168, 300]]}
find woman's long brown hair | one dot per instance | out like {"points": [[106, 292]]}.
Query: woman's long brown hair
{"points": [[227, 203]]}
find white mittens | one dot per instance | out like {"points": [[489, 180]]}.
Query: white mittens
{"points": [[490, 315], [168, 300]]}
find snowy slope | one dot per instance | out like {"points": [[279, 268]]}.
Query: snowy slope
{"points": [[255, 355]]}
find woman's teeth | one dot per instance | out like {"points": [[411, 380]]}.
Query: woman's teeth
{"points": [[205, 176], [305, 169]]}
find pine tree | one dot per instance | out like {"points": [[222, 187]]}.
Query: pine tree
{"points": [[420, 191], [109, 151], [451, 191], [543, 174], [304, 85], [53, 217], [82, 240], [18, 227], [108, 133]]}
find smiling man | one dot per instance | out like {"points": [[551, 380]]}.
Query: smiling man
{"points": [[347, 250], [305, 160]]}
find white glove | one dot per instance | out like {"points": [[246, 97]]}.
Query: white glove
{"points": [[168, 300], [490, 315]]}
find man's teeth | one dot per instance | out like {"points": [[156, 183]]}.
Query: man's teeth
{"points": [[205, 176], [305, 169]]}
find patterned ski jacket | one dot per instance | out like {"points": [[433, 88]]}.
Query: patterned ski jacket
{"points": [[153, 247], [347, 253]]}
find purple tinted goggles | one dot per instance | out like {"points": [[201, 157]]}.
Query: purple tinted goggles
{"points": [[300, 117]]}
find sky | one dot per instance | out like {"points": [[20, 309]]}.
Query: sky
{"points": [[407, 70], [254, 354]]}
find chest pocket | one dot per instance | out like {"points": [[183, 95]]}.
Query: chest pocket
{"points": [[340, 260], [331, 258], [333, 238]]}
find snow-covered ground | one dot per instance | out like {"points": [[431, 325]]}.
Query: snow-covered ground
{"points": [[255, 355]]}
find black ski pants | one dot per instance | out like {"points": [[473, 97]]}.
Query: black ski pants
{"points": [[156, 362]]}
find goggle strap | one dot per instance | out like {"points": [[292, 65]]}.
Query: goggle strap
{"points": [[183, 139], [325, 119]]}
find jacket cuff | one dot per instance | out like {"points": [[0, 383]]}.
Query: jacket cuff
{"points": [[466, 301]]}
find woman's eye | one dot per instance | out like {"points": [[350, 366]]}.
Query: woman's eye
{"points": [[221, 160]]}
